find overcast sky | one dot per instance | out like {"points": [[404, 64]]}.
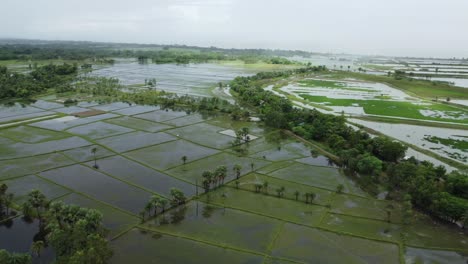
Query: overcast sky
{"points": [[387, 27]]}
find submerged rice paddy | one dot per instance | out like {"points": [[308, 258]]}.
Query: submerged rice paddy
{"points": [[139, 151]]}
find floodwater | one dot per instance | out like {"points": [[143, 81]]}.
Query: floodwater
{"points": [[191, 79], [416, 135]]}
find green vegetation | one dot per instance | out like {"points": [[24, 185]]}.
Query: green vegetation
{"points": [[58, 77], [393, 108], [421, 88], [420, 180], [454, 143]]}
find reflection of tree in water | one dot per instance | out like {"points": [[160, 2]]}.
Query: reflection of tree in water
{"points": [[178, 214], [208, 211], [7, 223], [275, 137]]}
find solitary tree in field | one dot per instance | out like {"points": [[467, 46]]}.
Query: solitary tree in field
{"points": [[37, 247], [252, 165], [349, 67], [94, 150], [306, 195], [237, 169], [184, 159]]}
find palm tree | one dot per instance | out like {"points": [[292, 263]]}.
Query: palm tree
{"points": [[184, 159], [258, 187], [296, 193], [155, 203], [207, 179], [221, 173], [164, 202], [94, 150], [237, 169], [265, 187], [148, 208], [37, 247], [37, 200]]}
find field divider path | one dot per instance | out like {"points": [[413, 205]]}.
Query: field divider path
{"points": [[273, 240]]}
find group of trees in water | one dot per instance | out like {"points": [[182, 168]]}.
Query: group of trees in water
{"points": [[378, 160], [76, 234]]}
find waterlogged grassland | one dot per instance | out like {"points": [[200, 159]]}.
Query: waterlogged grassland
{"points": [[169, 154], [85, 153], [421, 88], [321, 177], [267, 205], [27, 134], [138, 124], [366, 207], [315, 246], [192, 171], [224, 227], [362, 227], [144, 246], [23, 185], [461, 144], [232, 223], [139, 140], [248, 182], [91, 182], [419, 255], [142, 176], [395, 108], [203, 134], [29, 165]]}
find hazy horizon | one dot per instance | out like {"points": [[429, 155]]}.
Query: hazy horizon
{"points": [[367, 27]]}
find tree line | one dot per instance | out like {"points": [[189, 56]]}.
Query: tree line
{"points": [[24, 85], [378, 160]]}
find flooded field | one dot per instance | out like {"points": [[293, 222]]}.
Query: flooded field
{"points": [[424, 138], [191, 79], [138, 153]]}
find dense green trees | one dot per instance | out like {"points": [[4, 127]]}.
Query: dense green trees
{"points": [[378, 159], [14, 258], [6, 200], [77, 234], [58, 77]]}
